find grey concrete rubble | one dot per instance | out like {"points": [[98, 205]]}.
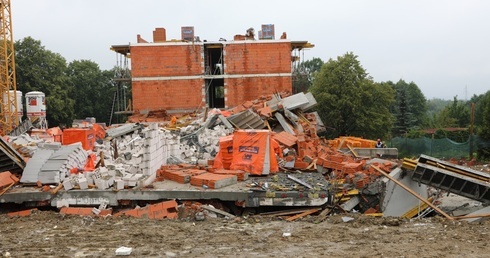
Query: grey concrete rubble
{"points": [[132, 154], [26, 144], [53, 164]]}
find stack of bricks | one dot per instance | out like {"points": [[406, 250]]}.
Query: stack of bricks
{"points": [[241, 175], [153, 151], [213, 181], [200, 177], [181, 174]]}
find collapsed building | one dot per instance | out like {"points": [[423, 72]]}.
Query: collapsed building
{"points": [[216, 122]]}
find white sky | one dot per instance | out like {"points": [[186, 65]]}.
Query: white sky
{"points": [[441, 45]]}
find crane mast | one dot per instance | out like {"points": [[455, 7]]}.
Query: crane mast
{"points": [[9, 118]]}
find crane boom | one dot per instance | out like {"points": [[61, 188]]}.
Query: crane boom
{"points": [[8, 113]]}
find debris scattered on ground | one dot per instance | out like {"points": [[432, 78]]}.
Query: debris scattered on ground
{"points": [[270, 145]]}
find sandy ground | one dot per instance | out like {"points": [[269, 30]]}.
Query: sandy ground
{"points": [[49, 234]]}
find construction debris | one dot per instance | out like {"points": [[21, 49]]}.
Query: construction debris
{"points": [[265, 152]]}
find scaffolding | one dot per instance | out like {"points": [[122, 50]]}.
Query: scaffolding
{"points": [[121, 104]]}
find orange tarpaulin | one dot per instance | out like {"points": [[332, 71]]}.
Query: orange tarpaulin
{"points": [[90, 165], [84, 135], [99, 131], [253, 152], [224, 157]]}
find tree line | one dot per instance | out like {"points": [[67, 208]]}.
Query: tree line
{"points": [[74, 90], [353, 104]]}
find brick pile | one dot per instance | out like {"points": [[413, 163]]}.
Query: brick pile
{"points": [[200, 176], [213, 181], [161, 210]]}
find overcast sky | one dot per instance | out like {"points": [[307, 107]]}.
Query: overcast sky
{"points": [[441, 45]]}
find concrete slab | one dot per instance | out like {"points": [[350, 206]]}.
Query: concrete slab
{"points": [[396, 201]]}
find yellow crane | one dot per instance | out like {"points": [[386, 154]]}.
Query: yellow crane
{"points": [[8, 109]]}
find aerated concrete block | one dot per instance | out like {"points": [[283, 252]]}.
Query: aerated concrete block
{"points": [[82, 182], [67, 184], [119, 183]]}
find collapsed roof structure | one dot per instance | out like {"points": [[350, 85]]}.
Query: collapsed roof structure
{"points": [[263, 153]]}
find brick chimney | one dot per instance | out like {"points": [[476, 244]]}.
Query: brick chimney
{"points": [[159, 35]]}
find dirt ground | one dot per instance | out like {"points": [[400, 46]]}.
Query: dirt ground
{"points": [[49, 234]]}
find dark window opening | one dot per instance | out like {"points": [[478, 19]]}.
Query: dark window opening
{"points": [[213, 56], [215, 93]]}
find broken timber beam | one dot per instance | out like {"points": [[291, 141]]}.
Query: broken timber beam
{"points": [[284, 212], [413, 193], [56, 189], [6, 188], [303, 214], [353, 151], [474, 216], [323, 215]]}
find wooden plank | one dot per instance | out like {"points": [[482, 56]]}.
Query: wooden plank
{"points": [[284, 212], [474, 216], [413, 193], [341, 143], [301, 215], [312, 164], [6, 188], [323, 215], [353, 151]]}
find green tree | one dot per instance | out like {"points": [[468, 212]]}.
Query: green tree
{"points": [[483, 130], [434, 109], [350, 101], [457, 114], [92, 88], [38, 69], [409, 108], [304, 73]]}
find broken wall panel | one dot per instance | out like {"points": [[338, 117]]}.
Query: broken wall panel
{"points": [[247, 120], [396, 200]]}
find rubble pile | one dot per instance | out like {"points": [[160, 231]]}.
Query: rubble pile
{"points": [[270, 145]]}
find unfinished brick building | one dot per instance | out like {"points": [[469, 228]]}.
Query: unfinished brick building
{"points": [[187, 74]]}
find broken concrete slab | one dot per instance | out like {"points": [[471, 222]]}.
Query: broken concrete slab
{"points": [[285, 125], [247, 120]]}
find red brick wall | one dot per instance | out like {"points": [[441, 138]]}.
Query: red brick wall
{"points": [[166, 60], [168, 94], [186, 60], [239, 90], [257, 58]]}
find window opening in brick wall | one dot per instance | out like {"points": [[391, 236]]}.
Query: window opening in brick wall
{"points": [[213, 58], [215, 93]]}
